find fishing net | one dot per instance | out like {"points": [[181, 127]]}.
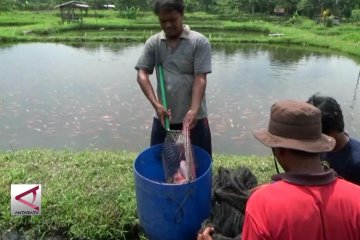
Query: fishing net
{"points": [[178, 157]]}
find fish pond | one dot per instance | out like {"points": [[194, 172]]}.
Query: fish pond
{"points": [[86, 96]]}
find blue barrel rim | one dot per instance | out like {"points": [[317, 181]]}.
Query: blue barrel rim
{"points": [[173, 184]]}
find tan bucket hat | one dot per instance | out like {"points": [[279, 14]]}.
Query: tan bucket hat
{"points": [[295, 125]]}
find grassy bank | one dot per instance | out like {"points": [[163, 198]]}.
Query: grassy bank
{"points": [[86, 195], [108, 26]]}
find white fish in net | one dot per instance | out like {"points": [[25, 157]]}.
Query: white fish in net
{"points": [[177, 157]]}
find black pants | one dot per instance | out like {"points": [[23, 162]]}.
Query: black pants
{"points": [[199, 135]]}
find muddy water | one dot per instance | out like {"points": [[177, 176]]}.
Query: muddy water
{"points": [[86, 97]]}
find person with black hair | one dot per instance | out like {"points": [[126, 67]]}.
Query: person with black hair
{"points": [[185, 56], [345, 157]]}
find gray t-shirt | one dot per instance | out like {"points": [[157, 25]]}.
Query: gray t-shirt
{"points": [[191, 56]]}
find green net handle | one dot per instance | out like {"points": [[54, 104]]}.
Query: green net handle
{"points": [[163, 94]]}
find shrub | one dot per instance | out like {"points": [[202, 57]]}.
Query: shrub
{"points": [[296, 18], [355, 15], [131, 13]]}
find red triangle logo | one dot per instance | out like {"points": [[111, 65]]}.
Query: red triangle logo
{"points": [[30, 204]]}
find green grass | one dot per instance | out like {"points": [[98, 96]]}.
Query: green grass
{"points": [[90, 195], [108, 26], [86, 195]]}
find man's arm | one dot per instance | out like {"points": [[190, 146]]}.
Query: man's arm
{"points": [[198, 92], [202, 66], [146, 87]]}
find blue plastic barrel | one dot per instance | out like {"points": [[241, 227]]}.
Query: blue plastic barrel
{"points": [[171, 211]]}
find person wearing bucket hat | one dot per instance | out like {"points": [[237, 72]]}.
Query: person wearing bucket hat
{"points": [[306, 201], [345, 157]]}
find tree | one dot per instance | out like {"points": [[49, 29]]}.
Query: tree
{"points": [[206, 4], [6, 5], [306, 8], [126, 4], [355, 16], [227, 7]]}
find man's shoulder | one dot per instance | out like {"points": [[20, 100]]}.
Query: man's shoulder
{"points": [[346, 155], [354, 150], [268, 190], [153, 38], [197, 36], [268, 196], [346, 188], [355, 143]]}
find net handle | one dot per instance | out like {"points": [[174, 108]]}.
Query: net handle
{"points": [[163, 94]]}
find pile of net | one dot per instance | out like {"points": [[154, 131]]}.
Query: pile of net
{"points": [[230, 192], [177, 156]]}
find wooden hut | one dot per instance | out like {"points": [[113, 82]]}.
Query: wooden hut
{"points": [[280, 11], [72, 11]]}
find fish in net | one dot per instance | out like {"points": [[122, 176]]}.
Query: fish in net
{"points": [[178, 157]]}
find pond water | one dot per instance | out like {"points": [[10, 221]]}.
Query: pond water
{"points": [[86, 97]]}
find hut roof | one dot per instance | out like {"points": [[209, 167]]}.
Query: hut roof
{"points": [[74, 4], [109, 6], [279, 9]]}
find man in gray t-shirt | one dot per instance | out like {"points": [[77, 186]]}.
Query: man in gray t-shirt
{"points": [[186, 59]]}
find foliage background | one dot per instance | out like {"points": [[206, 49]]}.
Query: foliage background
{"points": [[309, 8]]}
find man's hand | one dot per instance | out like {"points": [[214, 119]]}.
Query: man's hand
{"points": [[198, 92], [206, 234], [190, 118], [162, 113]]}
